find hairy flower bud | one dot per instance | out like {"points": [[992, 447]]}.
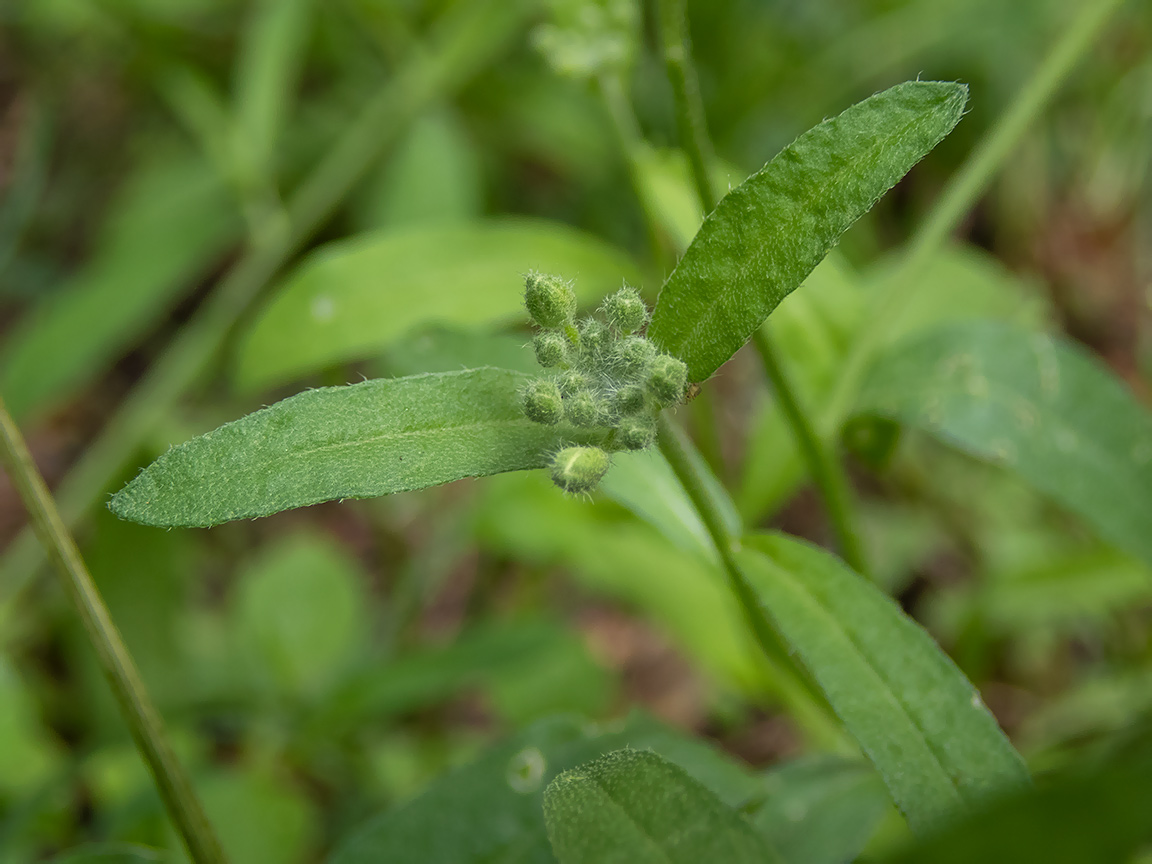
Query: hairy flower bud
{"points": [[549, 300], [633, 354], [573, 381], [550, 349], [628, 400], [595, 338], [636, 433], [579, 469], [625, 310], [583, 409], [667, 379], [542, 402]]}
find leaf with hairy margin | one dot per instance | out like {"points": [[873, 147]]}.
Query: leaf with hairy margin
{"points": [[769, 233], [359, 441]]}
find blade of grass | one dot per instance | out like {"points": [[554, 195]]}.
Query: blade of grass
{"points": [[131, 696], [472, 37]]}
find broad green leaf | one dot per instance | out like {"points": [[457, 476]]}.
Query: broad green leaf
{"points": [[111, 853], [633, 806], [353, 298], [168, 225], [435, 176], [1097, 814], [765, 236], [490, 812], [359, 441], [820, 809], [300, 614], [1035, 404], [914, 714]]}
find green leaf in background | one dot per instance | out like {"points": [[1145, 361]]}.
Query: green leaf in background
{"points": [[434, 177], [354, 297], [111, 853], [666, 184], [914, 714], [490, 812], [301, 614], [633, 806], [29, 753], [359, 441], [820, 809], [1096, 814], [260, 816], [765, 236], [815, 325], [443, 349], [169, 223], [1035, 404]]}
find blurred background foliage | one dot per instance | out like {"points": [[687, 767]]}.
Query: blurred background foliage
{"points": [[320, 666]]}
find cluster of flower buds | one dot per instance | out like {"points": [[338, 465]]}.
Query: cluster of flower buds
{"points": [[602, 375]]}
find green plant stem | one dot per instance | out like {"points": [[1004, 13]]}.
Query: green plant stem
{"points": [[961, 193], [473, 36], [690, 123], [135, 704], [824, 466], [794, 689], [630, 142], [827, 471]]}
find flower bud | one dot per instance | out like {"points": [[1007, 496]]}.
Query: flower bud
{"points": [[634, 353], [595, 338], [583, 409], [573, 381], [629, 400], [636, 433], [579, 469], [550, 349], [542, 402], [625, 310], [549, 300], [667, 379]]}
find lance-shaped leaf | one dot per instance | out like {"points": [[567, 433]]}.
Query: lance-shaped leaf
{"points": [[914, 714], [360, 441], [769, 233], [633, 807], [1038, 406], [355, 297]]}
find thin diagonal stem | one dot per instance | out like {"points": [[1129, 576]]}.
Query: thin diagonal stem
{"points": [[132, 697]]}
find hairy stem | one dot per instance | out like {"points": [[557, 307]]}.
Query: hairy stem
{"points": [[820, 456], [690, 123], [793, 688], [961, 193], [471, 38], [136, 706], [827, 471]]}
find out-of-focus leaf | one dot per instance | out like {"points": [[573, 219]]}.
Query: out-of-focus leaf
{"points": [[441, 349], [768, 234], [491, 811], [28, 752], [433, 177], [684, 595], [914, 714], [667, 185], [644, 482], [355, 297], [1097, 814], [111, 853], [1035, 404], [300, 614], [633, 806], [260, 817], [168, 224], [266, 73], [820, 810], [359, 441]]}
